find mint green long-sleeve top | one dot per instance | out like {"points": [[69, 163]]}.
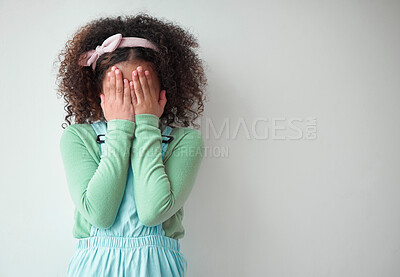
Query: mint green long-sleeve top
{"points": [[96, 181]]}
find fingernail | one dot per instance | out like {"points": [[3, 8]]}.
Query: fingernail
{"points": [[116, 71], [147, 73], [139, 68], [135, 73]]}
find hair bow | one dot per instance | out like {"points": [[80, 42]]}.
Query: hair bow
{"points": [[110, 44]]}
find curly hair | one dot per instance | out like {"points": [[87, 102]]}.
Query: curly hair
{"points": [[179, 68]]}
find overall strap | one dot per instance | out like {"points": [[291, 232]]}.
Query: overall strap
{"points": [[100, 128], [167, 131]]}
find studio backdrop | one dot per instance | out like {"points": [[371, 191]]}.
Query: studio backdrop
{"points": [[301, 170]]}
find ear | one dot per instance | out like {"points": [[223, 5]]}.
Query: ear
{"points": [[163, 98], [102, 100]]}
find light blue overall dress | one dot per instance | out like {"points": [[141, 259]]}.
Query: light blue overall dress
{"points": [[127, 248]]}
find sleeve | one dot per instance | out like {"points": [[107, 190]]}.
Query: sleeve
{"points": [[97, 188], [161, 190]]}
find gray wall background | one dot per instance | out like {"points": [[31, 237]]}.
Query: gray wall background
{"points": [[317, 197]]}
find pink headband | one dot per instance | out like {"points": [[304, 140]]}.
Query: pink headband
{"points": [[110, 44]]}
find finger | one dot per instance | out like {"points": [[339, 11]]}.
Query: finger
{"points": [[152, 88], [137, 87], [133, 94], [119, 86], [144, 84], [104, 89], [111, 86], [127, 93]]}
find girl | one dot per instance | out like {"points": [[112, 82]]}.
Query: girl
{"points": [[134, 85]]}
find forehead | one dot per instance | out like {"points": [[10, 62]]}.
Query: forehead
{"points": [[127, 67], [132, 65]]}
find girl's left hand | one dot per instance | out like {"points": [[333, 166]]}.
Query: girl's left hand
{"points": [[146, 99]]}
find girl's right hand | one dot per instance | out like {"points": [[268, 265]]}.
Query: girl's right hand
{"points": [[116, 97]]}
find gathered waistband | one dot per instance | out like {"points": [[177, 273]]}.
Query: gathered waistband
{"points": [[128, 242]]}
